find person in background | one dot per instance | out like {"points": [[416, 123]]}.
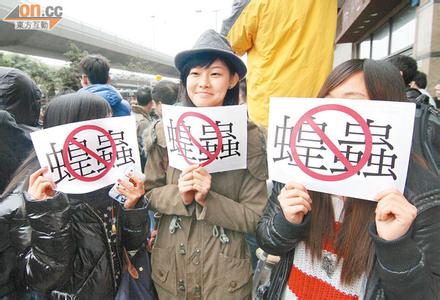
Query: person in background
{"points": [[287, 53], [132, 99], [243, 92], [20, 97], [145, 116], [95, 79], [408, 69], [200, 251], [164, 92], [437, 94], [420, 82], [67, 246], [335, 247]]}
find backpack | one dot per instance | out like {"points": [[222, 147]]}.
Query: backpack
{"points": [[422, 186], [427, 132]]}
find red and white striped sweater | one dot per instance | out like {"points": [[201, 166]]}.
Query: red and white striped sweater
{"points": [[320, 280]]}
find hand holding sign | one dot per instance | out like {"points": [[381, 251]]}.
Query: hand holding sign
{"points": [[194, 184], [394, 214], [202, 185], [185, 184], [41, 188], [295, 202], [132, 189]]}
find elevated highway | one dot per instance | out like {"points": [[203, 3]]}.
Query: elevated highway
{"points": [[53, 43]]}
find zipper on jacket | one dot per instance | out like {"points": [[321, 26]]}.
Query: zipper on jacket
{"points": [[107, 243]]}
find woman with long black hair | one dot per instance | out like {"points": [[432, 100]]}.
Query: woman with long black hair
{"points": [[67, 246], [335, 247]]}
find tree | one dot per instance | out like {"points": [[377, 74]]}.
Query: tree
{"points": [[44, 76], [70, 76], [139, 64]]}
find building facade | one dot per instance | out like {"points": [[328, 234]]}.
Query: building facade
{"points": [[380, 29]]}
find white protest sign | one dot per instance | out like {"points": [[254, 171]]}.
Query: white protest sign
{"points": [[86, 156], [214, 137], [354, 148]]}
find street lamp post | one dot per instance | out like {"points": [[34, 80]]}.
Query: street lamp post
{"points": [[215, 11], [153, 17]]}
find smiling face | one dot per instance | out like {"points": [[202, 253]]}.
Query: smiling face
{"points": [[207, 86], [353, 87]]}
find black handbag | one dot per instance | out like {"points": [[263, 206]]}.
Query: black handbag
{"points": [[136, 282]]}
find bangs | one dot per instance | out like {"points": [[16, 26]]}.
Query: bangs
{"points": [[204, 60]]}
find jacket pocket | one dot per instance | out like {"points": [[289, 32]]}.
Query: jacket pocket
{"points": [[98, 279], [163, 263], [236, 281]]}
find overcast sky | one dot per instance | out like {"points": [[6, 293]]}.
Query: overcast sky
{"points": [[168, 26]]}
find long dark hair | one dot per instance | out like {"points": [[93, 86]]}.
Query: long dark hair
{"points": [[352, 241], [382, 79], [75, 107], [205, 60], [61, 110]]}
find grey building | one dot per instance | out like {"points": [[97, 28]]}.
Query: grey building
{"points": [[382, 28]]}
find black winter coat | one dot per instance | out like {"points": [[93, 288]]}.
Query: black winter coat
{"points": [[19, 95], [408, 268], [61, 247], [15, 146]]}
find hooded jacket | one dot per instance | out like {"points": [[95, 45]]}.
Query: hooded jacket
{"points": [[120, 107], [20, 96], [15, 146], [19, 100]]}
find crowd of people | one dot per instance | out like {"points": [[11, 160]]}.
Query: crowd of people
{"points": [[56, 245]]}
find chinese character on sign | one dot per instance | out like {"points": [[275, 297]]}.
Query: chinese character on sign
{"points": [[186, 146], [230, 145], [382, 159], [82, 162], [124, 153], [311, 148], [208, 141]]}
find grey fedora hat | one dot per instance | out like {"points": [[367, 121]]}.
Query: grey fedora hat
{"points": [[211, 41]]}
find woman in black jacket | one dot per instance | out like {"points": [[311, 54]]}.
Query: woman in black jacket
{"points": [[372, 250], [67, 246]]}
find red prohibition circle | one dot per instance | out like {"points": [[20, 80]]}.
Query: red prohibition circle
{"points": [[351, 170], [70, 139], [211, 156]]}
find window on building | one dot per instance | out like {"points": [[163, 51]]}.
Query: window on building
{"points": [[394, 37], [403, 30], [380, 42], [364, 49]]}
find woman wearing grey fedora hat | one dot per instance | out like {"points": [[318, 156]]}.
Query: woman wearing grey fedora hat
{"points": [[200, 249]]}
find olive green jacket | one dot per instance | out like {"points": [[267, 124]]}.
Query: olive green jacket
{"points": [[200, 252]]}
